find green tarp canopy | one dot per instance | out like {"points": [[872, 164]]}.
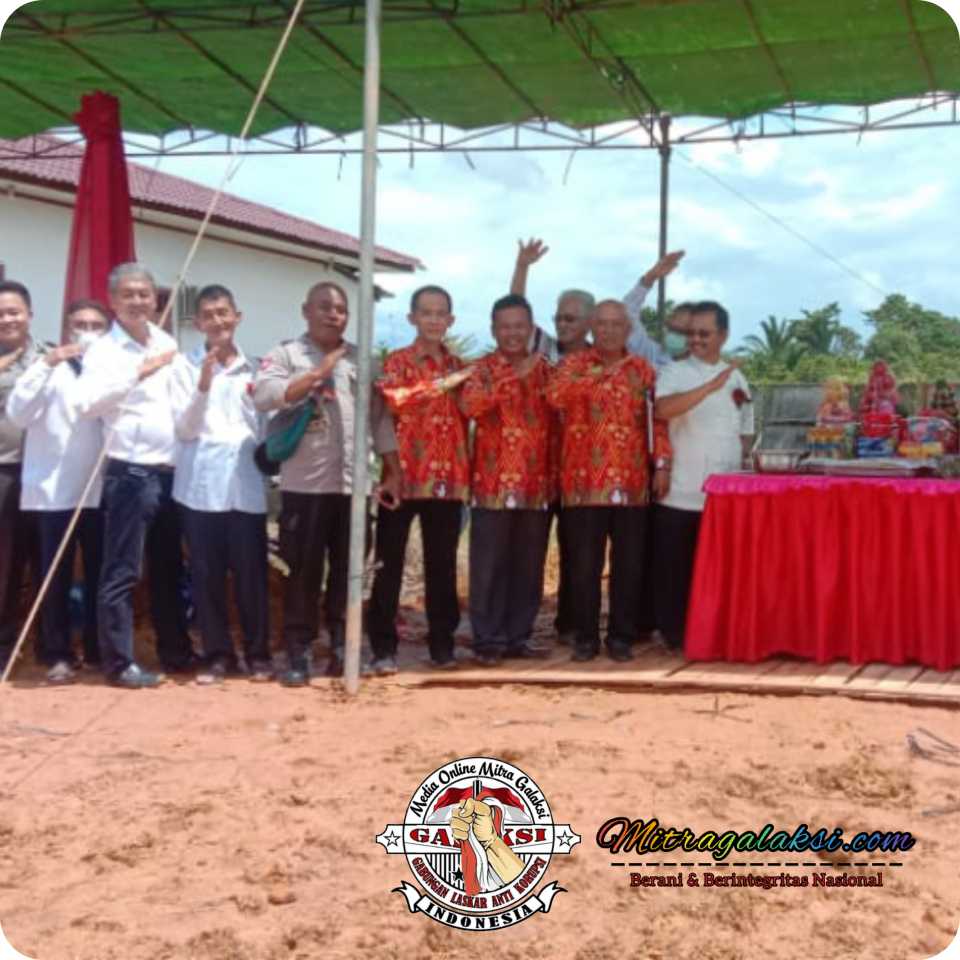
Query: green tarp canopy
{"points": [[176, 64]]}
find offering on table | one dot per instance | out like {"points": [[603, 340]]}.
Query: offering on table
{"points": [[880, 435], [928, 437], [943, 402], [880, 395], [835, 407], [834, 442]]}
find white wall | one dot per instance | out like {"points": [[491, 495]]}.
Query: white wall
{"points": [[269, 287]]}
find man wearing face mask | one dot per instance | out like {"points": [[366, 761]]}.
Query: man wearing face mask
{"points": [[572, 317], [17, 353], [60, 452]]}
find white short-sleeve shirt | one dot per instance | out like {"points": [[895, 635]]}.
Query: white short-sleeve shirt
{"points": [[705, 439]]}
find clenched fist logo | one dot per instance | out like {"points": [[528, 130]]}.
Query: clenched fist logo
{"points": [[482, 849]]}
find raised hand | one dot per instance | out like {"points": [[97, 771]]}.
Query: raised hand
{"points": [[65, 352], [207, 371], [717, 383], [663, 267], [157, 362], [530, 252]]}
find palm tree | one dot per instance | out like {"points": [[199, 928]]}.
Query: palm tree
{"points": [[777, 345], [464, 345]]}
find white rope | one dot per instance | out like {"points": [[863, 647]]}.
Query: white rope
{"points": [[214, 200]]}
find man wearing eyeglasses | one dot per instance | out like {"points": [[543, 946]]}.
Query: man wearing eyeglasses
{"points": [[572, 315], [707, 403]]}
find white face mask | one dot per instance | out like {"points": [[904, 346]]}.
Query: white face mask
{"points": [[86, 337]]}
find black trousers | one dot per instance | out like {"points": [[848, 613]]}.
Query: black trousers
{"points": [[140, 518], [439, 532], [646, 595], [507, 553], [587, 530], [55, 621], [229, 542], [676, 537], [18, 554], [314, 534], [565, 621]]}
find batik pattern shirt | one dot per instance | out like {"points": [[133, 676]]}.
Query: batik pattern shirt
{"points": [[606, 455], [431, 429], [510, 464]]}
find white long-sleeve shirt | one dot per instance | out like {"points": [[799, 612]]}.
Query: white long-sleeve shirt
{"points": [[639, 343], [137, 414], [61, 449], [217, 433]]}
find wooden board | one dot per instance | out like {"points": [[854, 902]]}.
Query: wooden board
{"points": [[655, 669]]}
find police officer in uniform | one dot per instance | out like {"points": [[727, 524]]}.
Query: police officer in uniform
{"points": [[316, 481]]}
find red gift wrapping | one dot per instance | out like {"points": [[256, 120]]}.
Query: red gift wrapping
{"points": [[826, 568]]}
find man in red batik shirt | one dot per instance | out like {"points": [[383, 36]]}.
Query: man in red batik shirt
{"points": [[605, 476], [510, 486], [418, 383]]}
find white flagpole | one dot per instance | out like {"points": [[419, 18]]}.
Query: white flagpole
{"points": [[368, 203]]}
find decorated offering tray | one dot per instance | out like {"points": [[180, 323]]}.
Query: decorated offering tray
{"points": [[870, 467]]}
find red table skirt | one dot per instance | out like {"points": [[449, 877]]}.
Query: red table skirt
{"points": [[825, 568]]}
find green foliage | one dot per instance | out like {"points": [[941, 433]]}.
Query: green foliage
{"points": [[464, 345], [920, 345]]}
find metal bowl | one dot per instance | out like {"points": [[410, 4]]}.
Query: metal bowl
{"points": [[778, 461]]}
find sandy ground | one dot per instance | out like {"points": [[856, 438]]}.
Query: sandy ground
{"points": [[237, 822]]}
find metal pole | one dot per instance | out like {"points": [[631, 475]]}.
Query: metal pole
{"points": [[368, 203], [664, 149]]}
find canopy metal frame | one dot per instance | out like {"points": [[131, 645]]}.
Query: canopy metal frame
{"points": [[644, 133]]}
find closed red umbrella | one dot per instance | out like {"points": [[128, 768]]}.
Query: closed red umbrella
{"points": [[102, 234]]}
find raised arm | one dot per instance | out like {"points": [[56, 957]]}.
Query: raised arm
{"points": [[527, 255]]}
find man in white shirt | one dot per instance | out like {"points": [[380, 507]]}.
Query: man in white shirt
{"points": [[708, 405], [17, 534], [572, 316], [220, 490], [60, 453], [126, 382]]}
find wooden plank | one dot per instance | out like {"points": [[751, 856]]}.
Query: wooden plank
{"points": [[898, 679], [929, 680], [834, 676], [868, 677], [718, 673], [790, 674]]}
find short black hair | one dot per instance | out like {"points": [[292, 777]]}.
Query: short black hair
{"points": [[511, 300], [430, 288], [12, 286], [76, 305], [711, 306], [215, 291]]}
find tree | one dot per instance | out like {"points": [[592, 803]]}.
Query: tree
{"points": [[778, 344], [821, 332], [464, 345]]}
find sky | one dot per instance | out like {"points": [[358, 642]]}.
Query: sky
{"points": [[863, 218]]}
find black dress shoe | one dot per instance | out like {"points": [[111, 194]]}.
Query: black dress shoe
{"points": [[134, 678], [620, 654], [583, 654], [294, 677], [489, 659], [526, 651], [187, 664]]}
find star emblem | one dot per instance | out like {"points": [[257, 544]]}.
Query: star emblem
{"points": [[392, 839], [565, 838], [458, 876]]}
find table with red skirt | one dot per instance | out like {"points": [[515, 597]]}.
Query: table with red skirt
{"points": [[861, 569]]}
